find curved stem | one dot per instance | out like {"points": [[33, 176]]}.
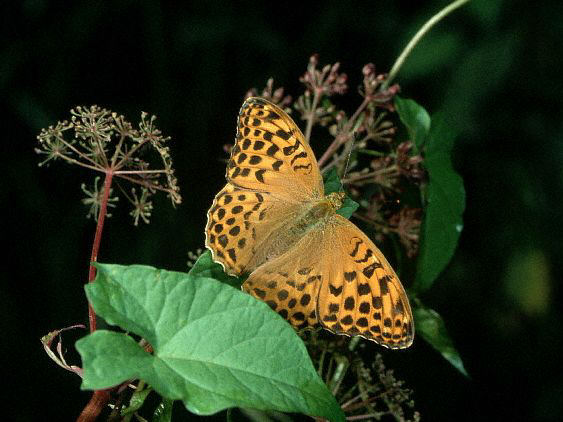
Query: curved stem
{"points": [[417, 37]]}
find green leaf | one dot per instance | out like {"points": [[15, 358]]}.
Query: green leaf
{"points": [[415, 118], [445, 203], [163, 412], [215, 347], [136, 402], [206, 267], [430, 325], [333, 184], [349, 206]]}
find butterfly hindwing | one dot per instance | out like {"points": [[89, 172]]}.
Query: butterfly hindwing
{"points": [[363, 296], [337, 277], [289, 289]]}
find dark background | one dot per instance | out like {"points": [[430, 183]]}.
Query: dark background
{"points": [[494, 67]]}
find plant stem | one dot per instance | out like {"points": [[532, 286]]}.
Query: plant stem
{"points": [[100, 397], [417, 37], [94, 407], [96, 244], [117, 150], [371, 175], [77, 151], [361, 417], [80, 163], [311, 118], [344, 135], [125, 159], [144, 183], [342, 367], [140, 171]]}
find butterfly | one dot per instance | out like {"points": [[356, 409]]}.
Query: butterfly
{"points": [[273, 221]]}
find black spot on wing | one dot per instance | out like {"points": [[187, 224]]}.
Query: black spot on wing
{"points": [[272, 150], [283, 134], [370, 269], [383, 284], [350, 276], [302, 154], [335, 291], [356, 248], [255, 159], [368, 255], [260, 175], [349, 303], [258, 145]]}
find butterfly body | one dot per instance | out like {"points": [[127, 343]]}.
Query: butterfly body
{"points": [[316, 215], [273, 222]]}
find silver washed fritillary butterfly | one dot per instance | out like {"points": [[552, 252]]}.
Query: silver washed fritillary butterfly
{"points": [[273, 221]]}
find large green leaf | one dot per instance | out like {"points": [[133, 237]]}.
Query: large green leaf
{"points": [[415, 118], [332, 184], [214, 346], [430, 325], [445, 202]]}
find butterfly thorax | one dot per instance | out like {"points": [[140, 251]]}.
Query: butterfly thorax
{"points": [[312, 216], [316, 213], [318, 210], [335, 199]]}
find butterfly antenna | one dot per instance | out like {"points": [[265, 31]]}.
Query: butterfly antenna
{"points": [[348, 160]]}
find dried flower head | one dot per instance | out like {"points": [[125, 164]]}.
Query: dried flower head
{"points": [[374, 166], [406, 223], [409, 165], [376, 127], [193, 257], [373, 90], [326, 81], [94, 198], [103, 141], [365, 391]]}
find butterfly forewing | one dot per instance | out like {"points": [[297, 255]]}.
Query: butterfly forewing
{"points": [[271, 154]]}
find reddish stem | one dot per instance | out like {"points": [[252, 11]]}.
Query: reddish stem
{"points": [[96, 245], [100, 397], [345, 134], [94, 407]]}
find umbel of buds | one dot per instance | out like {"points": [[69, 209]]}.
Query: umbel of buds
{"points": [[103, 141], [326, 81], [363, 149]]}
